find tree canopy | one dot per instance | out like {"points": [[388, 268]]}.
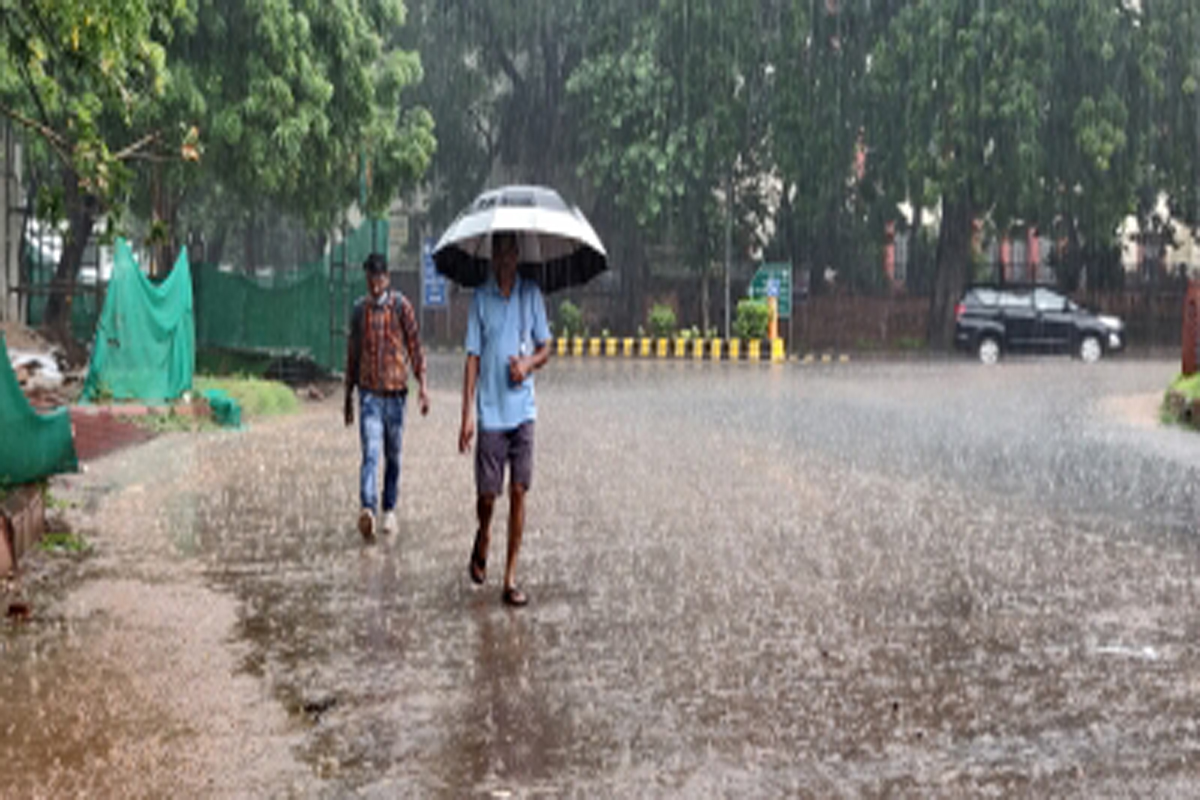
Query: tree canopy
{"points": [[794, 128], [210, 110]]}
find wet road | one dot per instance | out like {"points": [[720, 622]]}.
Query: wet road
{"points": [[867, 579]]}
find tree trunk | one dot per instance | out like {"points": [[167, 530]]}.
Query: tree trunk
{"points": [[914, 247], [214, 249], [1074, 258], [704, 300], [953, 267], [81, 215], [166, 215], [250, 242]]}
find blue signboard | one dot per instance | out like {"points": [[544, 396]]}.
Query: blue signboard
{"points": [[433, 283], [774, 280]]}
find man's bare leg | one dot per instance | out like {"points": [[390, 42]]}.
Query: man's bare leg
{"points": [[516, 527], [484, 506]]}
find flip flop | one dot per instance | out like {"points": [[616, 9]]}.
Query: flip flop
{"points": [[514, 597], [478, 566]]}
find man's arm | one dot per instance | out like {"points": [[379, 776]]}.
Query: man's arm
{"points": [[470, 377], [521, 368], [416, 353], [352, 350]]}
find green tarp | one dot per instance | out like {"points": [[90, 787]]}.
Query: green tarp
{"points": [[145, 345], [32, 445], [225, 410]]}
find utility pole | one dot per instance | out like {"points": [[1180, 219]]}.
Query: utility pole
{"points": [[728, 241]]}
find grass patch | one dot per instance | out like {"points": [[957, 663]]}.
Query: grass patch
{"points": [[1180, 401], [64, 543], [174, 423], [1189, 387], [257, 397], [54, 503], [910, 343]]}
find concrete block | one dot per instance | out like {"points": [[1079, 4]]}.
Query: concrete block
{"points": [[22, 523]]}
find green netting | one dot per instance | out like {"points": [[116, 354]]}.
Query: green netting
{"points": [[85, 305], [238, 312], [34, 445], [294, 311], [145, 345]]}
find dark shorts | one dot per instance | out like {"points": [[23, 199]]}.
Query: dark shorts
{"points": [[494, 449]]}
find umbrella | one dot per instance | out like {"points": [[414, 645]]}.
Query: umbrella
{"points": [[559, 249]]}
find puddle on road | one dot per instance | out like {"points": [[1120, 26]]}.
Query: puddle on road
{"points": [[124, 682]]}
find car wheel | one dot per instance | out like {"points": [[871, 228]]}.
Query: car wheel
{"points": [[989, 350], [1090, 349]]}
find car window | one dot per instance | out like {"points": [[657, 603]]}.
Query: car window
{"points": [[981, 297], [1014, 299], [1046, 300]]}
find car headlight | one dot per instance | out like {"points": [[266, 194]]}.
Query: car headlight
{"points": [[1112, 323]]}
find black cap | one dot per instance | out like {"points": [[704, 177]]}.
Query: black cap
{"points": [[375, 264]]}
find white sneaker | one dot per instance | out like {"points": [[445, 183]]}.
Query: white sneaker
{"points": [[389, 522], [366, 524]]}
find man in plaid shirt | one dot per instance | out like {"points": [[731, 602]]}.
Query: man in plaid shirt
{"points": [[383, 331]]}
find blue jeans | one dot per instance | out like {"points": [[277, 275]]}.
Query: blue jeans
{"points": [[380, 424]]}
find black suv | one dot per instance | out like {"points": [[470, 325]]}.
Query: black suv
{"points": [[993, 320]]}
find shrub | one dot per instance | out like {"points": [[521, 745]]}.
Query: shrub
{"points": [[662, 320], [570, 319], [753, 319]]}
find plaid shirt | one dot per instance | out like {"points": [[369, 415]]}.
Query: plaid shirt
{"points": [[379, 335]]}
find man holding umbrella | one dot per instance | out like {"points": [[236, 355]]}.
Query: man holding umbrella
{"points": [[508, 339], [510, 244]]}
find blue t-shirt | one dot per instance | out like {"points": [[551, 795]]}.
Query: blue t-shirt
{"points": [[498, 328]]}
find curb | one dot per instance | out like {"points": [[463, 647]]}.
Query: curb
{"points": [[99, 430]]}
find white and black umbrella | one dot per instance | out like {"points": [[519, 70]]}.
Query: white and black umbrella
{"points": [[559, 249]]}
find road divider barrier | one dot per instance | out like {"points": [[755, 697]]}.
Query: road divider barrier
{"points": [[681, 349], [690, 348]]}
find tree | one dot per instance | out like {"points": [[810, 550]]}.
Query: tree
{"points": [[497, 87], [674, 120], [299, 101], [82, 76], [957, 101], [1097, 132], [1169, 60], [820, 112]]}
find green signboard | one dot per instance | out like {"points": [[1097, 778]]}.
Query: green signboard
{"points": [[774, 280]]}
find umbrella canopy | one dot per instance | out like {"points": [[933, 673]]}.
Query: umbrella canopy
{"points": [[558, 246]]}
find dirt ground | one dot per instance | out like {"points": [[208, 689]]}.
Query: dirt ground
{"points": [[1138, 410], [20, 337]]}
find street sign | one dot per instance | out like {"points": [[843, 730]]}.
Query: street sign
{"points": [[774, 280], [433, 283]]}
